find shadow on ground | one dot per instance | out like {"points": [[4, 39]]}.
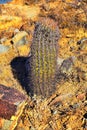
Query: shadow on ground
{"points": [[22, 72], [18, 65]]}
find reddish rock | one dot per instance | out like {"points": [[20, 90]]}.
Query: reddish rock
{"points": [[11, 95], [7, 109], [81, 96], [10, 98]]}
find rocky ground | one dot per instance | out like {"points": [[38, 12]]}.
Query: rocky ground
{"points": [[66, 109]]}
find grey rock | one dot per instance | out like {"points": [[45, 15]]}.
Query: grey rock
{"points": [[67, 65], [3, 48]]}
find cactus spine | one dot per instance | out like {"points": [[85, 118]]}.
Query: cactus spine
{"points": [[43, 60]]}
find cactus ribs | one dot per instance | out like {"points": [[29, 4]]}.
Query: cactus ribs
{"points": [[42, 65]]}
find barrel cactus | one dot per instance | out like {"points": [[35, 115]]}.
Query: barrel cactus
{"points": [[42, 64]]}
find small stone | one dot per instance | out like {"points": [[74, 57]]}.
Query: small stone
{"points": [[59, 61], [20, 38], [81, 96], [83, 44], [55, 112], [3, 48], [2, 40], [16, 31], [83, 58], [76, 105], [67, 65]]}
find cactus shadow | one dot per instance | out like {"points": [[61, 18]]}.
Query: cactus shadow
{"points": [[18, 65]]}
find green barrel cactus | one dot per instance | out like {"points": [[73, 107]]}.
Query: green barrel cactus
{"points": [[42, 65]]}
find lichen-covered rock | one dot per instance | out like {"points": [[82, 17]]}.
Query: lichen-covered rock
{"points": [[7, 22]]}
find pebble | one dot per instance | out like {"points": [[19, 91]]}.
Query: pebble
{"points": [[2, 40], [20, 38], [55, 112], [3, 48], [82, 44], [76, 105], [67, 65], [83, 58], [16, 31], [59, 61], [81, 96]]}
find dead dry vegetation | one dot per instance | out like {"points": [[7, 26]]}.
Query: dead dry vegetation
{"points": [[66, 109]]}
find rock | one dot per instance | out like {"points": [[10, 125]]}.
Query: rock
{"points": [[67, 65], [82, 44], [76, 105], [59, 61], [81, 96], [2, 40], [19, 39], [16, 31], [65, 68], [60, 99], [23, 12], [12, 103], [3, 48], [8, 21], [83, 58]]}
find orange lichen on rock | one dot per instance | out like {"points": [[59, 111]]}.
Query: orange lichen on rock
{"points": [[9, 21]]}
